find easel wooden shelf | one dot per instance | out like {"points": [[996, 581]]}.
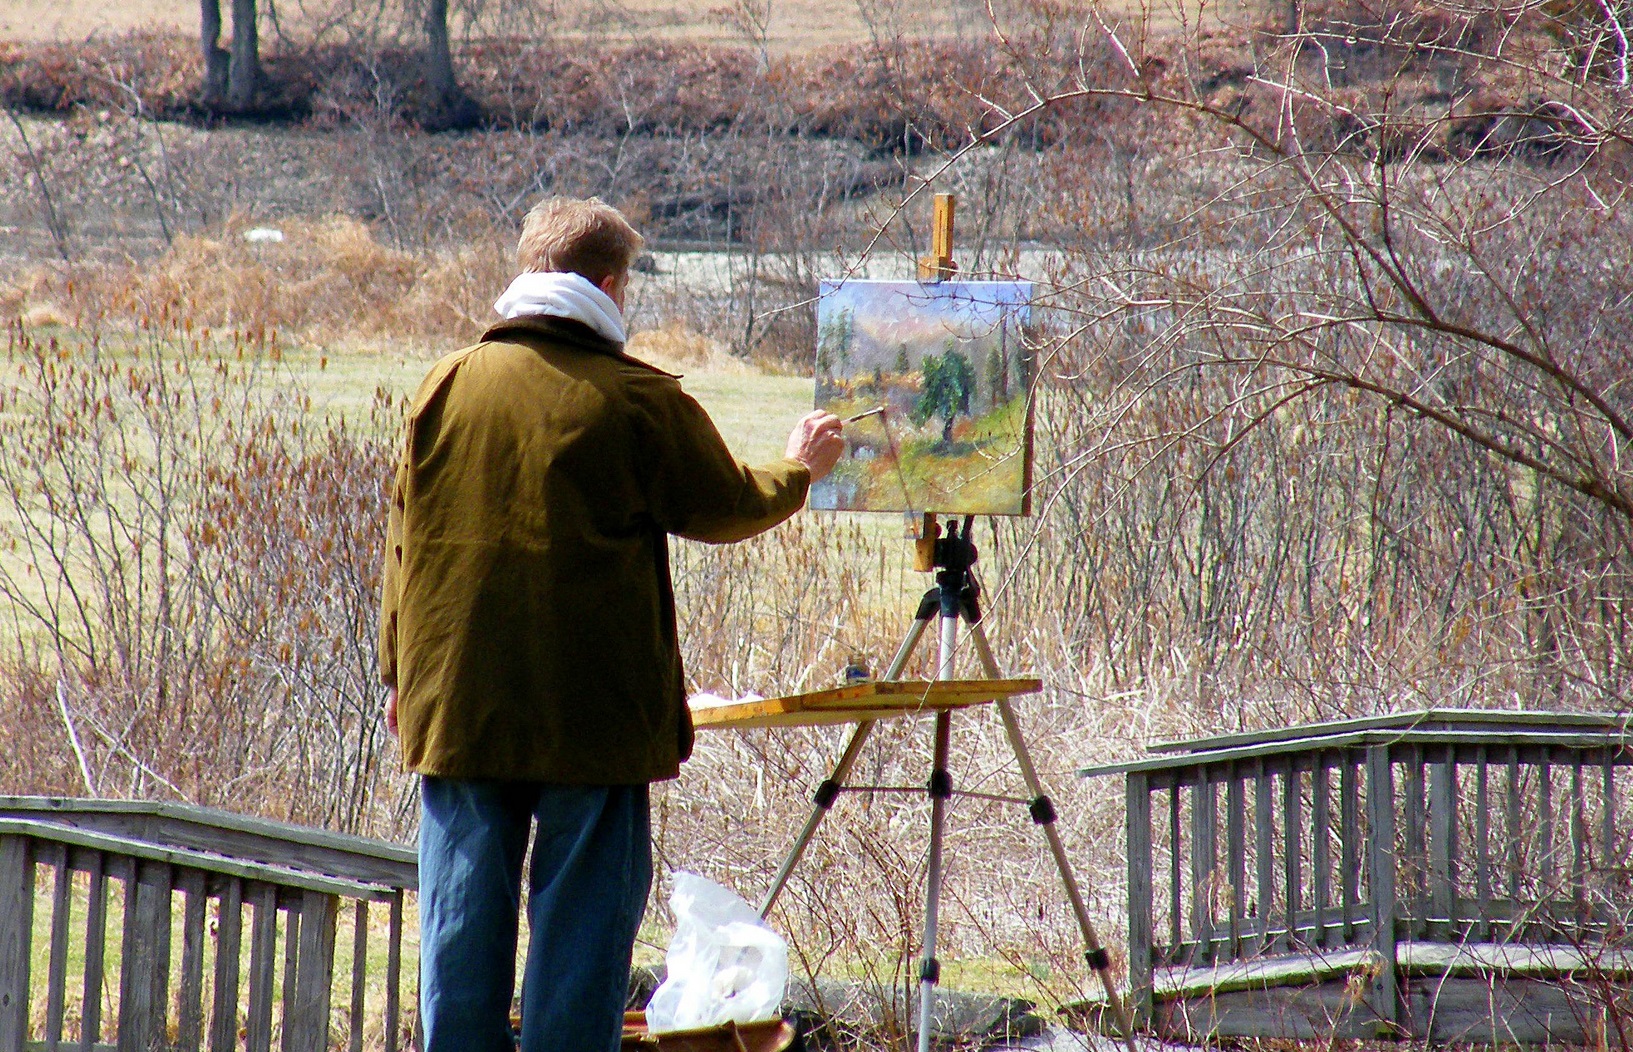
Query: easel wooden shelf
{"points": [[862, 701]]}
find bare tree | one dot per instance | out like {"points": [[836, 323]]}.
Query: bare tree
{"points": [[448, 105], [232, 78], [1367, 344], [217, 61]]}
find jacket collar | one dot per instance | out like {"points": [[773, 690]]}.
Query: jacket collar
{"points": [[531, 329]]}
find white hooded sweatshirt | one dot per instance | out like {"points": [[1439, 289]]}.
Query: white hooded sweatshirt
{"points": [[563, 295]]}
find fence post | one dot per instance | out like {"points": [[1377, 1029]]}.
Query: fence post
{"points": [[1443, 846], [194, 934], [1385, 995], [263, 900], [307, 1019], [1204, 820], [394, 970], [96, 945], [144, 971], [16, 933], [1138, 811], [229, 940]]}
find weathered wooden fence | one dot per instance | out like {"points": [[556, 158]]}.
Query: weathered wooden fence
{"points": [[214, 881], [1445, 874]]}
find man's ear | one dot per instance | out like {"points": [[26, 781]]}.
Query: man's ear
{"points": [[613, 285]]}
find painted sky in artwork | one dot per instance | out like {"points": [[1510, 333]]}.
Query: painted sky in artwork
{"points": [[950, 365]]}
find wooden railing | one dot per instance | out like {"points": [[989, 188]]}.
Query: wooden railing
{"points": [[218, 881], [1368, 843]]}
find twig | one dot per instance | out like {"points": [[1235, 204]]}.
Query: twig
{"points": [[73, 739], [53, 222]]}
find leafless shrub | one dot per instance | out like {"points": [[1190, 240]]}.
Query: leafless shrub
{"points": [[190, 575]]}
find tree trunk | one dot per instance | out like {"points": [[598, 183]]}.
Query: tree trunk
{"points": [[244, 73], [439, 59], [1295, 17], [216, 60], [447, 105]]}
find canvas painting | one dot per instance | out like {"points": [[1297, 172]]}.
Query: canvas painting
{"points": [[943, 372]]}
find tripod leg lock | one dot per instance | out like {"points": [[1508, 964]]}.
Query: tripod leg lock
{"points": [[941, 784], [1099, 959], [826, 794], [1043, 810], [930, 970], [970, 601]]}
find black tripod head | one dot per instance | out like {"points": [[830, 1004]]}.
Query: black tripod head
{"points": [[956, 590]]}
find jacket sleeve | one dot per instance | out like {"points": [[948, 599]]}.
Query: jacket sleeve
{"points": [[696, 488], [391, 576], [391, 581]]}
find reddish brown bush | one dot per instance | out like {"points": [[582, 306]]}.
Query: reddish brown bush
{"points": [[902, 97]]}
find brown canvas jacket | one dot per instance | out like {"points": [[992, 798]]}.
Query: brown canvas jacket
{"points": [[528, 618]]}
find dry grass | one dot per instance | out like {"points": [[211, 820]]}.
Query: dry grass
{"points": [[43, 20], [329, 281], [794, 25]]}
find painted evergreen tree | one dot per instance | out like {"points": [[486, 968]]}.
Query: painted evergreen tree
{"points": [[949, 384], [997, 371], [1000, 380], [834, 343], [846, 336]]}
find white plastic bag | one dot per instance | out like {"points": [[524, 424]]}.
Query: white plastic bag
{"points": [[725, 965]]}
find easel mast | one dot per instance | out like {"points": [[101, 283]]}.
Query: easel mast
{"points": [[938, 266]]}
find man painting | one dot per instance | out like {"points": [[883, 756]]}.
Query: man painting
{"points": [[528, 636]]}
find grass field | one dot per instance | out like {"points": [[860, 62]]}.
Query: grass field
{"points": [[787, 25], [754, 409], [793, 23]]}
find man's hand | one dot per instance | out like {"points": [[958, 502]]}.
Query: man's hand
{"points": [[816, 442], [391, 712]]}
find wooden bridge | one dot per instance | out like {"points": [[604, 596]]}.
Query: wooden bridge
{"points": [[1443, 875], [164, 873]]}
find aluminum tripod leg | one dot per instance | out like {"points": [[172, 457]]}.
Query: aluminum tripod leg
{"points": [[940, 789], [828, 791], [1043, 814]]}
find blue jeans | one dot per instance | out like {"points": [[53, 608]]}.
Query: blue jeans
{"points": [[587, 889]]}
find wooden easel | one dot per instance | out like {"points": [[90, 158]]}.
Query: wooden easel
{"points": [[955, 602]]}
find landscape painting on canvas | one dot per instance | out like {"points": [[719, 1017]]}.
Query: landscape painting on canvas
{"points": [[950, 366]]}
